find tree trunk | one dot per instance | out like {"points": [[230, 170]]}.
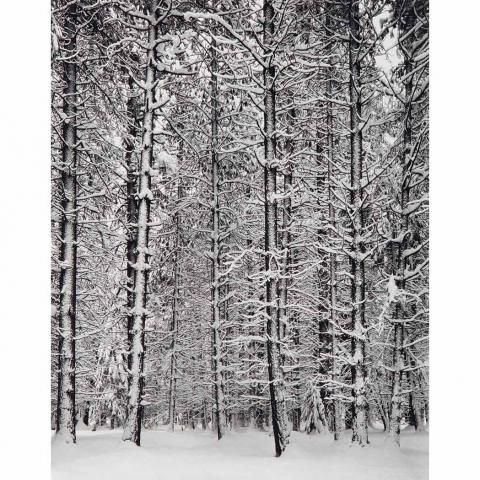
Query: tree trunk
{"points": [[398, 367], [216, 259], [174, 323], [415, 411], [65, 427], [285, 239], [336, 407], [357, 262], [133, 423], [400, 313], [324, 339], [131, 216], [275, 377], [297, 411]]}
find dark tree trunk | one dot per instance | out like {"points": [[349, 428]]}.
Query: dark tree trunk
{"points": [[357, 262], [175, 314], [275, 377], [131, 166], [217, 354], [133, 424], [68, 252], [400, 313]]}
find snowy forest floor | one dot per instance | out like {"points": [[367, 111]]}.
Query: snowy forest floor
{"points": [[243, 454]]}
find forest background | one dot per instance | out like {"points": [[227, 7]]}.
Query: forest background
{"points": [[26, 242]]}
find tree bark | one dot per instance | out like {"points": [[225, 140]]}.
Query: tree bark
{"points": [[400, 312], [133, 424], [285, 235], [337, 421], [131, 204], [217, 364], [65, 427], [285, 241], [174, 323], [275, 377], [297, 410], [357, 262]]}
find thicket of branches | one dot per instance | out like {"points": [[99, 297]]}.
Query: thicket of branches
{"points": [[240, 215]]}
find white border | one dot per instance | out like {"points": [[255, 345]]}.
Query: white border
{"points": [[455, 248], [25, 241]]}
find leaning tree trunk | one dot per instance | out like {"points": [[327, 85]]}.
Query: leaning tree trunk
{"points": [[132, 429], [275, 377], [68, 252], [357, 261], [217, 354]]}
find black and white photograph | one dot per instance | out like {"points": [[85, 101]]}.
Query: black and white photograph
{"points": [[239, 238], [238, 242]]}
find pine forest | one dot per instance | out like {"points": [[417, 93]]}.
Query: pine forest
{"points": [[240, 239]]}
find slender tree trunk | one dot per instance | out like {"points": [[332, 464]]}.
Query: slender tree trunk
{"points": [[400, 313], [417, 412], [250, 312], [285, 241], [96, 405], [217, 363], [285, 235], [275, 377], [297, 410], [323, 324], [131, 216], [68, 252], [204, 415], [337, 421], [133, 423], [398, 367], [174, 323], [357, 262], [255, 351]]}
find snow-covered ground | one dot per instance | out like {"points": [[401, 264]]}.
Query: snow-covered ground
{"points": [[245, 454]]}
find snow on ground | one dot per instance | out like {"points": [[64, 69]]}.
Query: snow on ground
{"points": [[244, 454]]}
